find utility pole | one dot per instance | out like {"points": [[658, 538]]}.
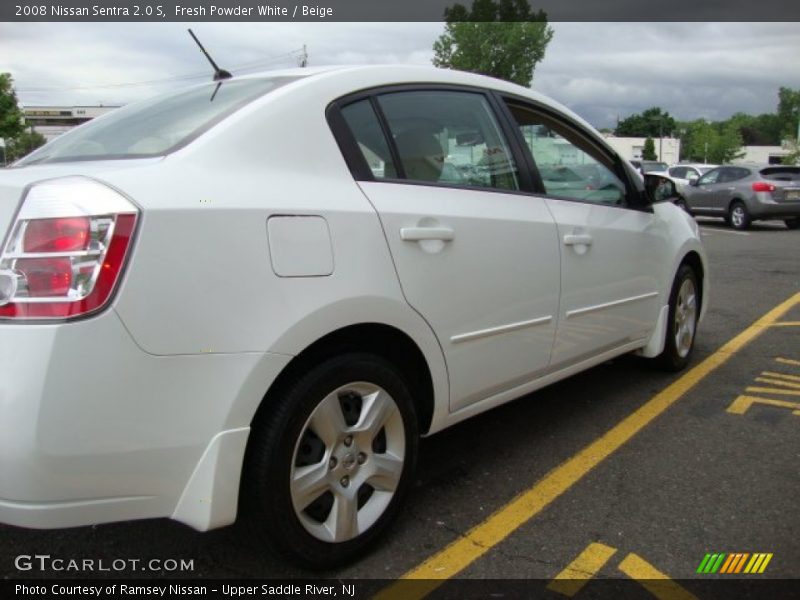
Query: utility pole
{"points": [[304, 57]]}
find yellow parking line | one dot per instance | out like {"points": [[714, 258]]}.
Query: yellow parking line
{"points": [[788, 361], [761, 390], [787, 324], [780, 376], [483, 537], [653, 580], [779, 383], [743, 403], [578, 573]]}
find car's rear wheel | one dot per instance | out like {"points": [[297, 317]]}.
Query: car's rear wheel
{"points": [[738, 216], [684, 310], [792, 223], [329, 462]]}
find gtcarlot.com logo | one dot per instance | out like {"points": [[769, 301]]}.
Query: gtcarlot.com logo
{"points": [[729, 563], [46, 562]]}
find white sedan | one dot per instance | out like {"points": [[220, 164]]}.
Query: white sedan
{"points": [[253, 296]]}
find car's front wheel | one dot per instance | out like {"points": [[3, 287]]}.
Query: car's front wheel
{"points": [[684, 310], [330, 461]]}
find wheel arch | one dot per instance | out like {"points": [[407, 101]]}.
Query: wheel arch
{"points": [[385, 341]]}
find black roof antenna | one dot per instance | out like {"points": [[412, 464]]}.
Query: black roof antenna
{"points": [[219, 74]]}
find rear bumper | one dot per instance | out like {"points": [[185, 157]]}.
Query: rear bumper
{"points": [[766, 208], [93, 429]]}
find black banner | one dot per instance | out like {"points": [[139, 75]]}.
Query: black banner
{"points": [[385, 10], [732, 588]]}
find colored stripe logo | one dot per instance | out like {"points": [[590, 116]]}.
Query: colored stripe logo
{"points": [[735, 562]]}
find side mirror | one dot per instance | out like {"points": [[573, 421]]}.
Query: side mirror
{"points": [[659, 188], [694, 182]]}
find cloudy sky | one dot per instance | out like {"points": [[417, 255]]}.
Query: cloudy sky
{"points": [[600, 70]]}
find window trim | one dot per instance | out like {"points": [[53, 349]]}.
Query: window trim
{"points": [[358, 165], [634, 198]]}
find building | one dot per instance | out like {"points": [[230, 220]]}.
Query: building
{"points": [[52, 121], [668, 149], [772, 155]]}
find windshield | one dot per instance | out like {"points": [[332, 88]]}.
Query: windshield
{"points": [[648, 167], [157, 126]]}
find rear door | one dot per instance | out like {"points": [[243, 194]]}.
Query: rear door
{"points": [[476, 256], [612, 247]]}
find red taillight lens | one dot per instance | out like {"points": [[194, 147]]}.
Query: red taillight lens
{"points": [[66, 250], [46, 277], [68, 234], [762, 186]]}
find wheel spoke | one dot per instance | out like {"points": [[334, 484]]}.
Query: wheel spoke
{"points": [[343, 520], [308, 484], [376, 410], [328, 421], [385, 472]]}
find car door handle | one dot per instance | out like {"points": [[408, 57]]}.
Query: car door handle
{"points": [[577, 239], [418, 234]]}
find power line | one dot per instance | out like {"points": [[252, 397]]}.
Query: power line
{"points": [[244, 66]]}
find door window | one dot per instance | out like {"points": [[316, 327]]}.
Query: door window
{"points": [[449, 137], [710, 177], [568, 165]]}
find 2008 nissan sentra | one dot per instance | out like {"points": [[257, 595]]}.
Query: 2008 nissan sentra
{"points": [[254, 296]]}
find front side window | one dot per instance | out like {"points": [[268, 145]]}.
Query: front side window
{"points": [[449, 137], [710, 177], [157, 126], [569, 166]]}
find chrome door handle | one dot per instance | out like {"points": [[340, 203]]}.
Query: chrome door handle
{"points": [[418, 234], [577, 239]]}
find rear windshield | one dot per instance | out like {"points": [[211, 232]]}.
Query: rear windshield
{"points": [[781, 173], [157, 126], [654, 166]]}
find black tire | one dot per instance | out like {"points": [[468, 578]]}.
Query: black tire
{"points": [[738, 216], [283, 432], [675, 357], [792, 223]]}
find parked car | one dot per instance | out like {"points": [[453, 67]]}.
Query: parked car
{"points": [[742, 194], [683, 174], [211, 304], [649, 166]]}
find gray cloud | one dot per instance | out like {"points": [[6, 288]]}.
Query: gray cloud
{"points": [[600, 70]]}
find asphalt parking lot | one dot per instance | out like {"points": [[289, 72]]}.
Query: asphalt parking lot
{"points": [[707, 468]]}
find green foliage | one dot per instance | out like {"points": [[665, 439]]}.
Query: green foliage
{"points": [[649, 150], [711, 142], [11, 117], [503, 39], [789, 112], [651, 123], [25, 143]]}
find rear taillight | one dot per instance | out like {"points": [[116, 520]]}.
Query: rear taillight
{"points": [[66, 250], [761, 186]]}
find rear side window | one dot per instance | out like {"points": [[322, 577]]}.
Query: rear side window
{"points": [[679, 172], [155, 127], [366, 129], [449, 137]]}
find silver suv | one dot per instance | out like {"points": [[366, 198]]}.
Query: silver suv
{"points": [[745, 193]]}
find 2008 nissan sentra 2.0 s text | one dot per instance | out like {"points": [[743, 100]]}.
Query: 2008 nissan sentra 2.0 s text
{"points": [[251, 297]]}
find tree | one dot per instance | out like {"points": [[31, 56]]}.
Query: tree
{"points": [[651, 123], [789, 112], [25, 143], [649, 151], [503, 39], [714, 143], [11, 118]]}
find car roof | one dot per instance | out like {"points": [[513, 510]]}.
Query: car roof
{"points": [[369, 76]]}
